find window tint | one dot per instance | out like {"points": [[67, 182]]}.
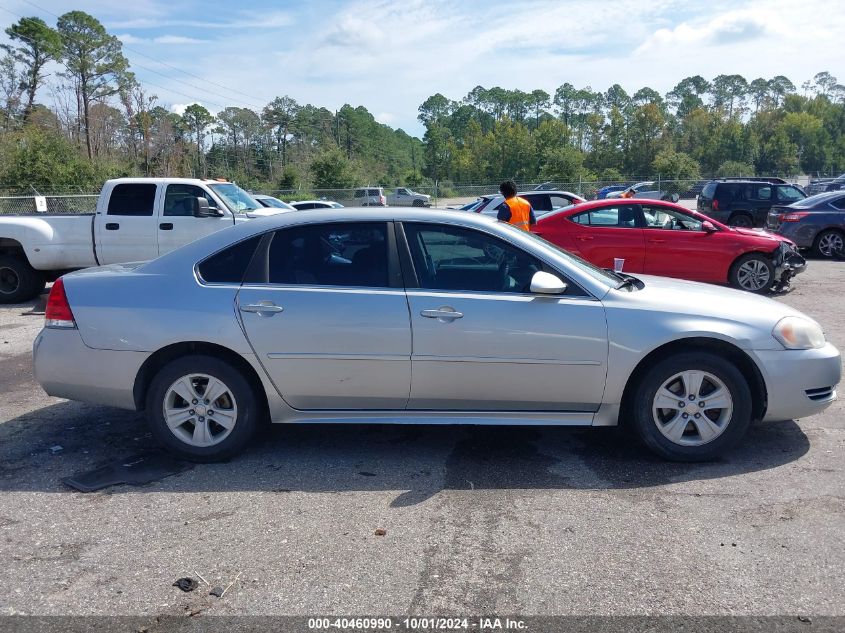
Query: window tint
{"points": [[360, 193], [539, 201], [453, 258], [132, 199], [305, 206], [763, 192], [839, 203], [789, 194], [709, 190], [665, 218], [558, 202], [374, 192], [178, 199], [622, 216], [229, 266], [347, 254]]}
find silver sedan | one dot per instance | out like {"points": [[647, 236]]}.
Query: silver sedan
{"points": [[417, 316]]}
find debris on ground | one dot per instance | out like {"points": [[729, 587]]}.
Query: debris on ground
{"points": [[380, 532], [216, 591], [186, 584], [56, 449]]}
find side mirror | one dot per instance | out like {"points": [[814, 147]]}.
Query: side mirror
{"points": [[708, 226], [200, 208], [546, 284]]}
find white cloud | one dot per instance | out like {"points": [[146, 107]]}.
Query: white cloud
{"points": [[178, 39], [252, 20], [385, 117], [179, 108]]}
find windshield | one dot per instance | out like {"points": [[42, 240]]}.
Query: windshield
{"points": [[599, 274], [235, 198]]}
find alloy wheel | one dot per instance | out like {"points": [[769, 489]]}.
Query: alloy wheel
{"points": [[753, 275], [200, 410], [830, 244], [692, 408]]}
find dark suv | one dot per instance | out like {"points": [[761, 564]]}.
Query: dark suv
{"points": [[745, 203]]}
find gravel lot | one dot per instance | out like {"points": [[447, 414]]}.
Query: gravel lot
{"points": [[478, 520]]}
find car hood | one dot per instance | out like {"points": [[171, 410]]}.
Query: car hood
{"points": [[710, 302]]}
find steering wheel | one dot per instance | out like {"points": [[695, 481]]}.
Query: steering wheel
{"points": [[504, 270]]}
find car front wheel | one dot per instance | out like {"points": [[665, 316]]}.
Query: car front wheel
{"points": [[753, 272], [741, 220], [202, 409], [692, 407]]}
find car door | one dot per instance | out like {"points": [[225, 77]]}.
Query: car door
{"points": [[127, 230], [483, 342], [177, 225], [676, 245], [599, 235], [327, 316]]}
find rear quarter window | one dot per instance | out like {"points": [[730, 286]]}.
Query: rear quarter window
{"points": [[709, 190], [229, 265], [132, 199]]}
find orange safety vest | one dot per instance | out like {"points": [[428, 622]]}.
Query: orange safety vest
{"points": [[520, 212]]}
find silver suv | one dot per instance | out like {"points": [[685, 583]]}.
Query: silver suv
{"points": [[370, 197]]}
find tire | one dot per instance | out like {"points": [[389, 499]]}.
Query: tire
{"points": [[19, 281], [691, 439], [418, 203], [237, 405], [829, 244], [741, 220], [753, 272]]}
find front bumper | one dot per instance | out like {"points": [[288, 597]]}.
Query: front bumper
{"points": [[799, 383], [66, 368], [788, 263]]}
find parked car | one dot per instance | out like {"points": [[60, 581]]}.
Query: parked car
{"points": [[404, 197], [269, 202], [481, 324], [822, 185], [541, 201], [602, 193], [369, 197], [661, 238], [817, 222], [135, 219], [304, 205], [745, 203], [464, 207], [648, 189]]}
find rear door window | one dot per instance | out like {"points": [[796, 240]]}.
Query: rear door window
{"points": [[336, 254], [623, 216], [839, 203], [762, 193], [789, 194], [539, 201], [132, 199], [229, 265]]}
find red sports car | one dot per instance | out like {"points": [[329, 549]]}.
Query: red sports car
{"points": [[661, 238]]}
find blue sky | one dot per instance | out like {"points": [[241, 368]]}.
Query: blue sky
{"points": [[389, 55]]}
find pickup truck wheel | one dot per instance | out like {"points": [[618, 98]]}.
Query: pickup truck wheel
{"points": [[692, 407], [19, 281], [753, 272], [829, 243], [202, 409], [741, 220]]}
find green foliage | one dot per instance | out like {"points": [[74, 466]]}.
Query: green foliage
{"points": [[734, 168], [675, 165], [333, 170], [38, 45]]}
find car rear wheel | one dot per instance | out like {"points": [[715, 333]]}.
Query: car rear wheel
{"points": [[741, 220], [829, 243], [202, 409], [18, 280], [692, 407], [753, 272]]}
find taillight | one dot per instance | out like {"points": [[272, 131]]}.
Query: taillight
{"points": [[58, 312], [714, 205], [793, 217]]}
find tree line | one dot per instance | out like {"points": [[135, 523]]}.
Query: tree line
{"points": [[727, 126], [73, 113]]}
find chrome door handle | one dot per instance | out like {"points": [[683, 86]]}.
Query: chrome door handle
{"points": [[262, 308], [444, 314]]}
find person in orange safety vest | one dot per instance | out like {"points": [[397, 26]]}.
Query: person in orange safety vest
{"points": [[515, 210]]}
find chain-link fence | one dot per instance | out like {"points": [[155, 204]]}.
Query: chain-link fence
{"points": [[25, 205]]}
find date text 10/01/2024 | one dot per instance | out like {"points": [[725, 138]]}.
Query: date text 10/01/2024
{"points": [[417, 623]]}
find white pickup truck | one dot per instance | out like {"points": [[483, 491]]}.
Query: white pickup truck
{"points": [[136, 219], [404, 197]]}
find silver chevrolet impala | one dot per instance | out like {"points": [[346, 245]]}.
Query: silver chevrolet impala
{"points": [[418, 316]]}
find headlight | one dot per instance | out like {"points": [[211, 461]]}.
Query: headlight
{"points": [[797, 333]]}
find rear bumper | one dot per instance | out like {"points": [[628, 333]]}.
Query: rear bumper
{"points": [[799, 383], [66, 368]]}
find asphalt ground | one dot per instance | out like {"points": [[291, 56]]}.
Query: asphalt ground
{"points": [[528, 521]]}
